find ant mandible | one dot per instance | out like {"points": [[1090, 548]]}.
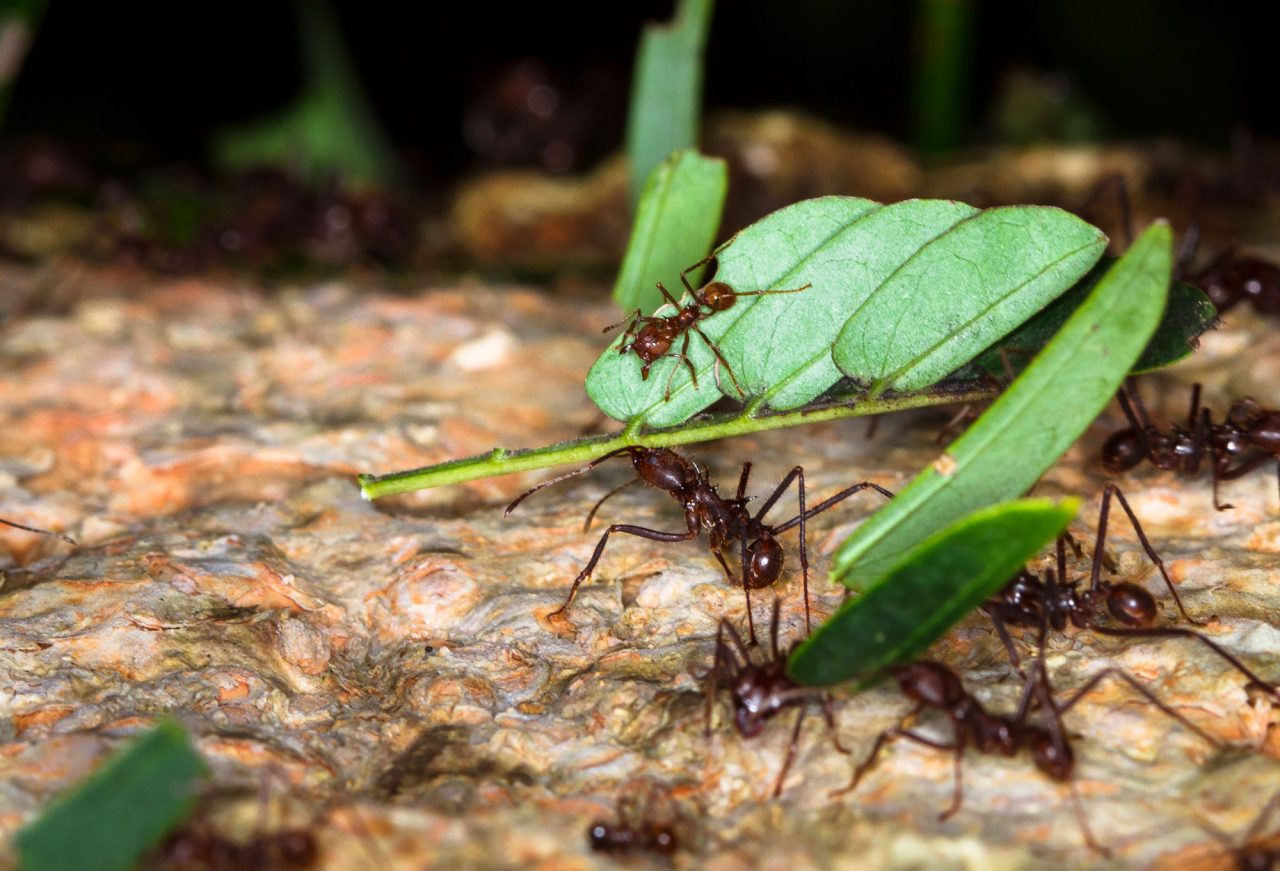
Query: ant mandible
{"points": [[1249, 437], [761, 691], [651, 337], [932, 685], [727, 521]]}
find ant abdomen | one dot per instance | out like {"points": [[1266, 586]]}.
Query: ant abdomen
{"points": [[1123, 451], [719, 296], [764, 563], [1131, 604], [1055, 758]]}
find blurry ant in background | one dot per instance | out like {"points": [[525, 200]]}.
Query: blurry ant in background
{"points": [[1029, 599], [1249, 437], [637, 829], [651, 337], [934, 686], [761, 691], [727, 521]]}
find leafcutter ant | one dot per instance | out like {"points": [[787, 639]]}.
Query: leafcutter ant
{"points": [[932, 685], [761, 691], [727, 521], [1249, 437], [636, 830], [1028, 599], [650, 337]]}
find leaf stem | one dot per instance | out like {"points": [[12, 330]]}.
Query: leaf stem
{"points": [[702, 428]]}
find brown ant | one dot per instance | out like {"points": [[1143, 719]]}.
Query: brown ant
{"points": [[635, 831], [761, 691], [1249, 437], [727, 521], [651, 338], [1029, 599], [199, 847], [932, 685]]}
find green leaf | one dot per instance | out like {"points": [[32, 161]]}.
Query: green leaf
{"points": [[123, 810], [675, 224], [962, 292], [1033, 422], [1188, 314], [935, 585], [926, 284], [666, 91]]}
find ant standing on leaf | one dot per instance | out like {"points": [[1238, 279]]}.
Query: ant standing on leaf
{"points": [[1249, 437], [727, 521], [651, 337], [761, 691]]}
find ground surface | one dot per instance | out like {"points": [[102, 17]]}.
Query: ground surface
{"points": [[200, 439]]}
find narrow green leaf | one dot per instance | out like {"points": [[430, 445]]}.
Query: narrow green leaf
{"points": [[123, 810], [1188, 314], [962, 292], [927, 284], [666, 92], [1033, 422], [935, 585], [675, 224]]}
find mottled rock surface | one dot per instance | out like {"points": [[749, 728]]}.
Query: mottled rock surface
{"points": [[200, 440]]}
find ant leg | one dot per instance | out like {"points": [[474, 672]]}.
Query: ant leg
{"points": [[828, 503], [829, 714], [746, 591], [1103, 515], [1141, 690], [773, 631], [634, 318], [1003, 632], [957, 794], [640, 531], [720, 360], [68, 539], [684, 273], [724, 656], [1256, 826], [772, 290], [1194, 413], [797, 475], [791, 752], [586, 524], [666, 295], [742, 481], [1177, 632], [630, 450], [1085, 831]]}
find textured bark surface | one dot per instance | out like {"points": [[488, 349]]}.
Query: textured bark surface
{"points": [[200, 439]]}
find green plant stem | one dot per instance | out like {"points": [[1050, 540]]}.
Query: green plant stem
{"points": [[500, 461]]}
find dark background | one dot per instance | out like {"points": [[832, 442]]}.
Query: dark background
{"points": [[162, 77]]}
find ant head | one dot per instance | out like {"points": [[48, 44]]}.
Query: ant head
{"points": [[1131, 604], [663, 469], [748, 722], [1123, 451], [764, 562], [1245, 413], [1052, 757], [718, 296], [650, 344], [930, 683]]}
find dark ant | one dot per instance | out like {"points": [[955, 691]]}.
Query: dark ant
{"points": [[1249, 437], [726, 520], [1253, 853], [761, 691], [652, 337], [932, 685], [1028, 599], [199, 847], [68, 539], [635, 831]]}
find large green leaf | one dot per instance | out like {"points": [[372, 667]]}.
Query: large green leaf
{"points": [[927, 283], [1033, 422], [666, 91], [122, 811], [675, 224], [935, 585]]}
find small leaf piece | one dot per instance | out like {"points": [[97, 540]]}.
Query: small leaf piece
{"points": [[666, 93], [123, 810], [1033, 422], [934, 586], [675, 224], [961, 292]]}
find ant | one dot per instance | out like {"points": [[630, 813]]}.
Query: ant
{"points": [[727, 521], [761, 691], [651, 338], [1249, 437], [634, 831], [1255, 852], [198, 847], [1028, 599], [932, 685]]}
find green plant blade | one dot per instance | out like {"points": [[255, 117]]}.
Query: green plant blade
{"points": [[864, 264], [935, 585], [1188, 314], [123, 810], [962, 292], [675, 224], [1033, 422], [666, 93]]}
